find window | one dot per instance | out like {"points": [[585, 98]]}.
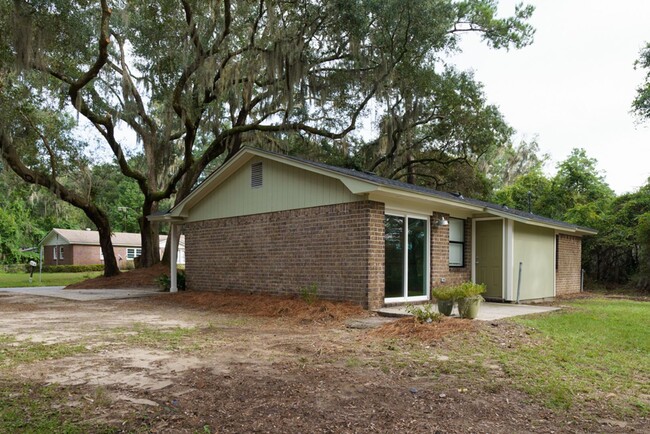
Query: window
{"points": [[101, 254], [256, 175], [60, 252], [132, 253], [54, 253], [456, 242]]}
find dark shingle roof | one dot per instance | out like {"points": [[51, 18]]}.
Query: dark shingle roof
{"points": [[375, 179]]}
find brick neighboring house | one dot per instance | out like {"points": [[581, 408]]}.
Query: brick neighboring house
{"points": [[270, 223], [79, 247]]}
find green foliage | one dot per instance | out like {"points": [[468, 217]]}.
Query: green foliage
{"points": [[468, 289], [641, 104], [444, 293], [579, 194], [72, 268], [165, 282], [309, 294], [193, 84], [424, 313]]}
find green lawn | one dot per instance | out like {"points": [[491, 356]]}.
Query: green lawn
{"points": [[14, 280], [598, 350]]}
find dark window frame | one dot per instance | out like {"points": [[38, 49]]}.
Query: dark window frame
{"points": [[462, 244]]}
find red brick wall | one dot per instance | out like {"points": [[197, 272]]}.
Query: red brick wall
{"points": [[48, 255], [80, 255], [340, 248], [440, 254], [567, 276]]}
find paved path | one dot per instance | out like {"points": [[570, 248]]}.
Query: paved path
{"points": [[487, 312], [82, 294]]}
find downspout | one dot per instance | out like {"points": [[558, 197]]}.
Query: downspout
{"points": [[519, 281], [173, 287]]}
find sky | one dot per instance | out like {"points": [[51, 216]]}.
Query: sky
{"points": [[573, 87]]}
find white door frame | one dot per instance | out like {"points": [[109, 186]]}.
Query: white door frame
{"points": [[427, 260]]}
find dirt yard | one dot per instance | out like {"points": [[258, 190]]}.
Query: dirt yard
{"points": [[193, 363]]}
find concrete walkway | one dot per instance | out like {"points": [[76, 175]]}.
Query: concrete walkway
{"points": [[82, 294], [487, 312]]}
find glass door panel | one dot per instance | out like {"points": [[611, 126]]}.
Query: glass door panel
{"points": [[394, 256], [406, 264], [417, 257]]}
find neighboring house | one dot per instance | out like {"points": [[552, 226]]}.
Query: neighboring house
{"points": [[266, 222], [77, 247]]}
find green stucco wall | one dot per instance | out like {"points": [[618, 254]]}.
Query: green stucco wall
{"points": [[534, 246], [284, 188]]}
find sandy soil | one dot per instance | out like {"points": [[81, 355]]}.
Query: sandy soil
{"points": [[192, 363]]}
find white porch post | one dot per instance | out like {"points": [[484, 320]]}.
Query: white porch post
{"points": [[174, 253]]}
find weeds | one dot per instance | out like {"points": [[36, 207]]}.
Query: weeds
{"points": [[309, 294], [424, 313], [13, 352]]}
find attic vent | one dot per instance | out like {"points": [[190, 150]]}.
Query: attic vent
{"points": [[256, 175]]}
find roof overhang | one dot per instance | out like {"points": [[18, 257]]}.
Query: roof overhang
{"points": [[578, 231], [372, 190]]}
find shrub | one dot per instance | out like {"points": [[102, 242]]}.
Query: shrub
{"points": [[72, 268], [424, 313], [165, 282], [309, 293], [16, 268], [444, 293], [469, 289]]}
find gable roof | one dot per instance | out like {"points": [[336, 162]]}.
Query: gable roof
{"points": [[360, 182], [91, 238]]}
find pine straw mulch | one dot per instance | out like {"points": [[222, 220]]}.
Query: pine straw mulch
{"points": [[409, 328], [265, 305], [139, 278]]}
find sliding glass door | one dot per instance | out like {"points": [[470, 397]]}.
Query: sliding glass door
{"points": [[406, 258]]}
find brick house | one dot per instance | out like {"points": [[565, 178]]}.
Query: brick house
{"points": [[270, 223], [77, 247]]}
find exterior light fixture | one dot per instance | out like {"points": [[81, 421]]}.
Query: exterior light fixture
{"points": [[442, 222]]}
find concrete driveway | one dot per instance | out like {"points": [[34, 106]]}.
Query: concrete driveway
{"points": [[487, 312], [82, 294]]}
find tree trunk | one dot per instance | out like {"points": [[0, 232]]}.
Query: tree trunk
{"points": [[49, 181], [111, 267], [149, 236]]}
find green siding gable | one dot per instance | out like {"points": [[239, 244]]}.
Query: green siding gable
{"points": [[283, 188]]}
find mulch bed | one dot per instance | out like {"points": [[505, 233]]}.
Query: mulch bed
{"points": [[409, 328], [320, 311]]}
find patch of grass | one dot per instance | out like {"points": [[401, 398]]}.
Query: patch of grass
{"points": [[169, 339], [32, 408], [596, 350], [600, 348], [14, 352], [353, 362], [20, 280]]}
